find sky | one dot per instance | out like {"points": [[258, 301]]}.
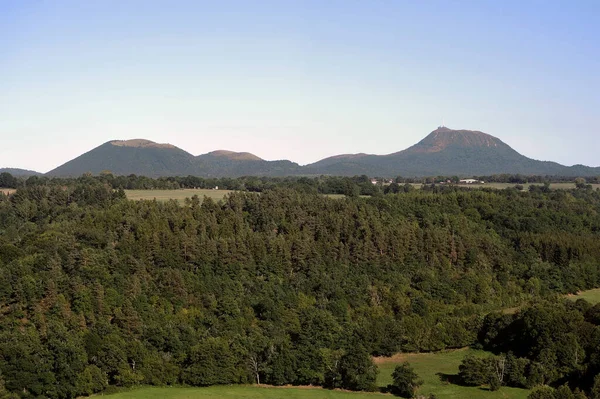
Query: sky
{"points": [[298, 80]]}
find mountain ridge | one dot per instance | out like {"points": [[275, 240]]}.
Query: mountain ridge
{"points": [[444, 151]]}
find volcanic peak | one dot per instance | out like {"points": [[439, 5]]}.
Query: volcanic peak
{"points": [[140, 143], [443, 138]]}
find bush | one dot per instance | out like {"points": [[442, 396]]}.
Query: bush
{"points": [[405, 382]]}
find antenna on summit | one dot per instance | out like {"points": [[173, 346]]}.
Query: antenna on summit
{"points": [[443, 122]]}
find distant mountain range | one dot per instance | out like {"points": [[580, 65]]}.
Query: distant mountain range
{"points": [[443, 152]]}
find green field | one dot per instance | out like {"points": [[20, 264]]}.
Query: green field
{"points": [[434, 368], [179, 195], [241, 392], [592, 296]]}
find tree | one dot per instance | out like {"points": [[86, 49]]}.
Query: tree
{"points": [[564, 392], [542, 392], [595, 393], [405, 381], [357, 371], [474, 371]]}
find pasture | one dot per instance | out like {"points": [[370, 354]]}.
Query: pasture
{"points": [[592, 296], [7, 191], [435, 369], [241, 392], [178, 195]]}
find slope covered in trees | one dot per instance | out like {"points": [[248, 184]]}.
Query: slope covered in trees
{"points": [[285, 287]]}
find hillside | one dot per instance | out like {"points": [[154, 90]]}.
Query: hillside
{"points": [[224, 163], [443, 152], [140, 157], [448, 152], [20, 172]]}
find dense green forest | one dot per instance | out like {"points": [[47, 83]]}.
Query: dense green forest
{"points": [[289, 286]]}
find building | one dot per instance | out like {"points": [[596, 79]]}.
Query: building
{"points": [[470, 181]]}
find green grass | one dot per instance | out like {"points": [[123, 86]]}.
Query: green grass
{"points": [[240, 392], [592, 296], [432, 369], [179, 195]]}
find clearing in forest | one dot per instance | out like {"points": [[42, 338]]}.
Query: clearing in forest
{"points": [[592, 296], [178, 195], [241, 392], [437, 370], [7, 191]]}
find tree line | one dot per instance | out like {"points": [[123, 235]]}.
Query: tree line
{"points": [[357, 185]]}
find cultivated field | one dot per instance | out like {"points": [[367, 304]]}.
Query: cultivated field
{"points": [[434, 368], [179, 195], [592, 296]]}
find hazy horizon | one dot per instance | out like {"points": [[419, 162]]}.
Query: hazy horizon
{"points": [[298, 80]]}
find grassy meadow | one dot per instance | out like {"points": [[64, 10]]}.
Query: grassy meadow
{"points": [[241, 392], [178, 195], [435, 369], [7, 190], [592, 296]]}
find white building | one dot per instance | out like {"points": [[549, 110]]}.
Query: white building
{"points": [[470, 181]]}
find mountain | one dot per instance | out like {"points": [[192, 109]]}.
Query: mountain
{"points": [[147, 158], [233, 156], [125, 157], [448, 152], [20, 172], [224, 163], [443, 152]]}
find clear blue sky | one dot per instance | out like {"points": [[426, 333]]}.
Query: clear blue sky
{"points": [[299, 80]]}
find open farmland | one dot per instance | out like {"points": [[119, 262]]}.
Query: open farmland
{"points": [[592, 296], [179, 195], [242, 392], [436, 369], [7, 190]]}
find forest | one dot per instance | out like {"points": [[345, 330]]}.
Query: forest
{"points": [[291, 287], [357, 185]]}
